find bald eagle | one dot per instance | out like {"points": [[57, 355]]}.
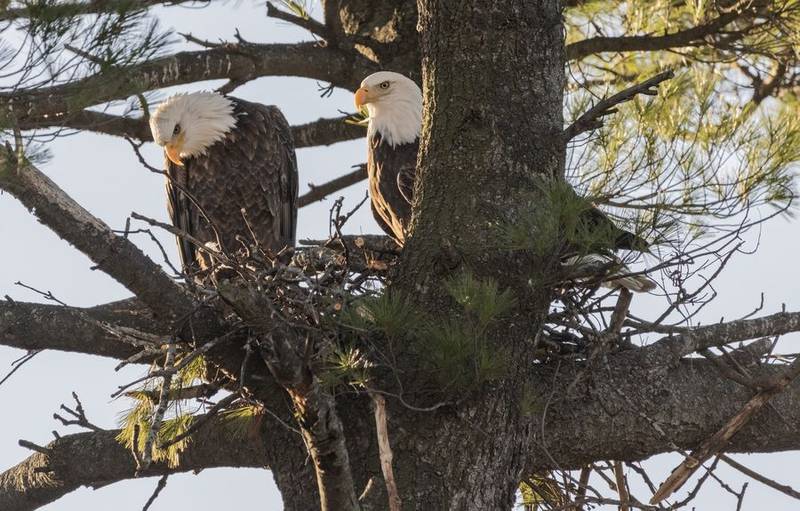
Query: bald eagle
{"points": [[231, 174], [394, 104]]}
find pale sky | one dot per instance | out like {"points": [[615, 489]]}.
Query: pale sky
{"points": [[102, 173]]}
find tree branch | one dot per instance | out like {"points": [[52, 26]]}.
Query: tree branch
{"points": [[592, 119], [227, 61], [586, 47], [691, 340], [316, 133], [326, 132], [99, 122], [319, 192], [308, 23], [69, 9], [94, 331], [112, 254], [664, 408], [98, 459]]}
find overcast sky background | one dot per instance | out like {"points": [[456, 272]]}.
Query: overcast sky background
{"points": [[103, 174]]}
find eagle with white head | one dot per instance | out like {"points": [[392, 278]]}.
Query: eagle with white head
{"points": [[394, 104], [231, 173]]}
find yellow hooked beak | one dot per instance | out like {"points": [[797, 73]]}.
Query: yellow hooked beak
{"points": [[362, 97], [173, 150]]}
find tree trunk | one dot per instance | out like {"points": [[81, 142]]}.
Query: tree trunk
{"points": [[493, 80]]}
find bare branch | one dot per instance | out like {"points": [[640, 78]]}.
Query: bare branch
{"points": [[98, 459], [322, 132], [691, 340], [99, 122], [108, 332], [719, 440], [326, 132], [319, 192], [689, 36], [785, 489], [228, 61], [660, 407], [592, 119], [385, 449]]}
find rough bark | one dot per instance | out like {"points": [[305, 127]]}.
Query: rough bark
{"points": [[473, 153], [99, 331]]}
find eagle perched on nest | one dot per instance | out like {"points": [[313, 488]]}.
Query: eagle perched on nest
{"points": [[231, 174]]}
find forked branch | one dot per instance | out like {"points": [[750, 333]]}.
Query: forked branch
{"points": [[592, 119]]}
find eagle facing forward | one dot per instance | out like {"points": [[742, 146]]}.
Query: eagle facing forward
{"points": [[231, 174], [394, 103]]}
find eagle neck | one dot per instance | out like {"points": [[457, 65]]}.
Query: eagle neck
{"points": [[398, 122]]}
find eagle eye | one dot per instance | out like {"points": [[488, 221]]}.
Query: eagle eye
{"points": [[384, 85], [176, 129]]}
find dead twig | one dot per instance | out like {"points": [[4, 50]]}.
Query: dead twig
{"points": [[79, 413], [785, 489], [385, 450]]}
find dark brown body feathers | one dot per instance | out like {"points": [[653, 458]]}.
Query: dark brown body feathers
{"points": [[250, 174]]}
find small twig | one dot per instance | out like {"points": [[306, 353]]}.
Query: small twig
{"points": [[307, 23], [160, 486], [85, 54], [202, 42], [135, 446], [17, 364], [199, 423], [47, 295], [785, 489], [591, 119], [183, 363], [79, 413], [158, 415], [34, 447]]}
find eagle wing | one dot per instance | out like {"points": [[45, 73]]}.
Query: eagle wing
{"points": [[182, 213], [391, 171], [259, 153]]}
